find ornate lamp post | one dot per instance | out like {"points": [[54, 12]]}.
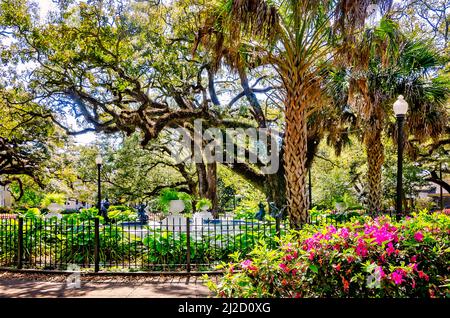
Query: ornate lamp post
{"points": [[99, 162], [400, 109]]}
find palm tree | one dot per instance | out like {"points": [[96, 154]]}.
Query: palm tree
{"points": [[297, 38], [397, 66]]}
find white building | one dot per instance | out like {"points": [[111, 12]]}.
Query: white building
{"points": [[75, 204], [6, 198]]}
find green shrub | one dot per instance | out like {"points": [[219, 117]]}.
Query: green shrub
{"points": [[58, 198], [371, 258], [83, 215], [31, 213], [247, 209], [119, 208], [167, 195], [202, 203], [121, 213]]}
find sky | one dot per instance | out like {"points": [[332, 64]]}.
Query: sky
{"points": [[84, 139]]}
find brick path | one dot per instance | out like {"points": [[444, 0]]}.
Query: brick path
{"points": [[13, 285]]}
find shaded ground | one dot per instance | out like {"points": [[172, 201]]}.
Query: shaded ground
{"points": [[19, 285]]}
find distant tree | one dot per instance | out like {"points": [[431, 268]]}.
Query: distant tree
{"points": [[26, 143]]}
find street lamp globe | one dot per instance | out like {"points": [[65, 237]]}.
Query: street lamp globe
{"points": [[99, 160], [400, 106]]}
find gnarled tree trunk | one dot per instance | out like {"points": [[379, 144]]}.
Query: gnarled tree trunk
{"points": [[275, 188], [207, 183]]}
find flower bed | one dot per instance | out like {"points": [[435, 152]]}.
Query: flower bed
{"points": [[370, 258]]}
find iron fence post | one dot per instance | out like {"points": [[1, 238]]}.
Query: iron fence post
{"points": [[20, 244], [96, 245], [277, 226], [188, 245]]}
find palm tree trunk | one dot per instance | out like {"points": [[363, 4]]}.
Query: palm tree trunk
{"points": [[295, 151], [375, 159]]}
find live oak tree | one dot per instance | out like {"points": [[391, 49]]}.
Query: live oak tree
{"points": [[27, 141], [114, 67], [428, 19], [117, 67]]}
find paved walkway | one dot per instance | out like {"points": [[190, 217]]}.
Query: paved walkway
{"points": [[114, 287]]}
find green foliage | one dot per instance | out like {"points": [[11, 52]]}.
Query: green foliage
{"points": [[334, 177], [30, 198], [375, 258], [31, 213], [169, 248], [83, 215], [413, 179], [248, 207], [233, 189], [121, 213], [114, 244], [167, 195], [203, 202], [58, 198]]}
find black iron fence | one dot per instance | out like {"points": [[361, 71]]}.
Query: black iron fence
{"points": [[176, 243]]}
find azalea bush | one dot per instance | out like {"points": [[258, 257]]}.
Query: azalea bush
{"points": [[119, 213], [361, 258]]}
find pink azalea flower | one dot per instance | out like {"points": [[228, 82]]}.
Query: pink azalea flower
{"points": [[418, 236], [361, 249], [414, 258], [344, 233], [311, 256], [288, 257], [246, 263], [423, 275], [390, 248], [284, 268], [413, 265], [332, 229], [397, 277], [380, 271]]}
